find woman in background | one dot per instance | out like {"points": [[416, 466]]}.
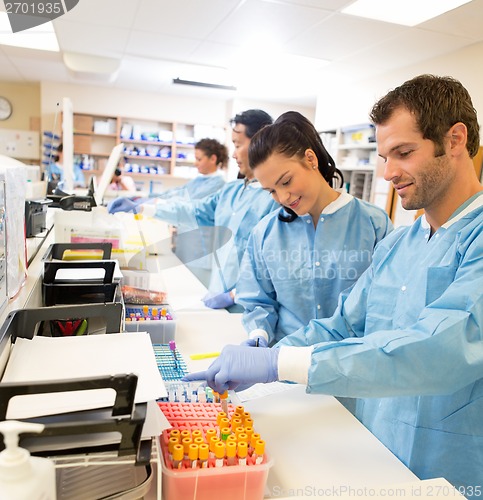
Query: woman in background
{"points": [[122, 182], [211, 158]]}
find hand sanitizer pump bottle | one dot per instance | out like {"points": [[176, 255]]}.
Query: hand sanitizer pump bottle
{"points": [[23, 477]]}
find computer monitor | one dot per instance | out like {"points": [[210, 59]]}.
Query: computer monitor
{"points": [[108, 173]]}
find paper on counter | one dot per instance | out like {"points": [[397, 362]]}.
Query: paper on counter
{"points": [[261, 390], [154, 425], [62, 358], [79, 274]]}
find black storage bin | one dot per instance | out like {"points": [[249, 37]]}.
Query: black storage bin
{"points": [[56, 250], [56, 292]]}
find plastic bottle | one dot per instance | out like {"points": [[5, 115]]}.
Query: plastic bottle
{"points": [[23, 477]]}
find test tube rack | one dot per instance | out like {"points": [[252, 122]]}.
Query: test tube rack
{"points": [[238, 482], [158, 320], [170, 363]]}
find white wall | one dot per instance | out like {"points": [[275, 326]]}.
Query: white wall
{"points": [[351, 104], [152, 105], [131, 104]]}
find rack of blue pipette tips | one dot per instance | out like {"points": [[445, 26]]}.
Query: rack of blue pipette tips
{"points": [[170, 363]]}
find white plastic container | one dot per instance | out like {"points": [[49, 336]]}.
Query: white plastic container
{"points": [[22, 476]]}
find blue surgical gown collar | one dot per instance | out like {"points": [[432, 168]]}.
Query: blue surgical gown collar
{"points": [[476, 201], [252, 184]]}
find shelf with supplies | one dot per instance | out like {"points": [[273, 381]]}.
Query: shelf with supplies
{"points": [[161, 144], [355, 153], [153, 149]]}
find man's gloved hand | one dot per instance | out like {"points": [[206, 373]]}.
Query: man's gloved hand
{"points": [[256, 338], [239, 367], [218, 301], [125, 205]]}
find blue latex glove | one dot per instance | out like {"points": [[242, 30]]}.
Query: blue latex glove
{"points": [[257, 342], [124, 205], [218, 301], [256, 338], [239, 367]]}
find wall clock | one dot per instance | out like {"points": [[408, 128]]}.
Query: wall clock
{"points": [[5, 108]]}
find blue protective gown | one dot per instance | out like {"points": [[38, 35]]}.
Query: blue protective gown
{"points": [[196, 188], [408, 339], [294, 272], [232, 212]]}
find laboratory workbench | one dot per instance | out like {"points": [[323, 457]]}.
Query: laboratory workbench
{"points": [[318, 447], [316, 444]]}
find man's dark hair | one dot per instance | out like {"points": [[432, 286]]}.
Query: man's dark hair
{"points": [[437, 103], [253, 119]]}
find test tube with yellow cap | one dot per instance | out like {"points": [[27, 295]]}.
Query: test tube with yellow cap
{"points": [[198, 440], [184, 434], [242, 452], [231, 453], [214, 440], [209, 433], [186, 446], [196, 433], [193, 455], [259, 452], [251, 446], [219, 416], [219, 454], [175, 433], [203, 453], [178, 452], [171, 442], [224, 433]]}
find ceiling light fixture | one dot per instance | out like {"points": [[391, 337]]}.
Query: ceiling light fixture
{"points": [[407, 13], [180, 81], [40, 37], [90, 67]]}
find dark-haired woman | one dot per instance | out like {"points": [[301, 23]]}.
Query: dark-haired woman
{"points": [[299, 258]]}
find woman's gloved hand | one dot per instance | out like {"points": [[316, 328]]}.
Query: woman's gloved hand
{"points": [[239, 367], [125, 205], [219, 300], [256, 338]]}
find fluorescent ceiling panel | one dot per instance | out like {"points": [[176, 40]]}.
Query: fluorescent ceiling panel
{"points": [[40, 37], [407, 12]]}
